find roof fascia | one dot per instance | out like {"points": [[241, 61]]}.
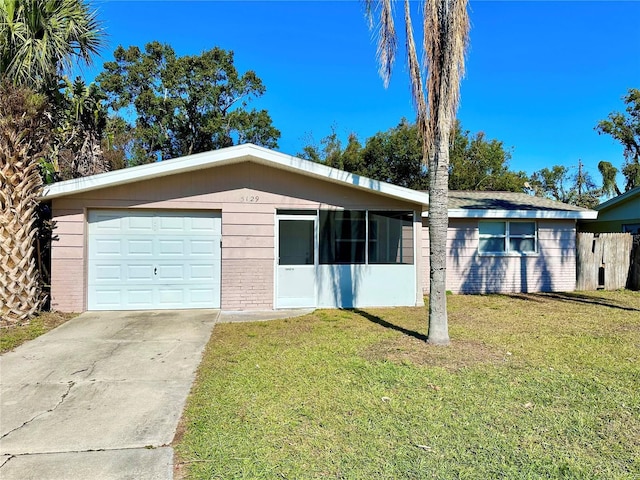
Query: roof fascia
{"points": [[231, 155], [620, 198], [524, 214]]}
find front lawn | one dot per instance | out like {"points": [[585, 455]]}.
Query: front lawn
{"points": [[532, 386]]}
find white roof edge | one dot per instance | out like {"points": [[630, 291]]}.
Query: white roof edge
{"points": [[533, 214], [620, 198], [229, 155]]}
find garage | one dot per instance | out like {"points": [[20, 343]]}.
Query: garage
{"points": [[153, 259]]}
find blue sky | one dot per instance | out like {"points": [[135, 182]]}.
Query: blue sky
{"points": [[539, 74]]}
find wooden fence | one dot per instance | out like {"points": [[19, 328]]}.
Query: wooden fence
{"points": [[603, 260]]}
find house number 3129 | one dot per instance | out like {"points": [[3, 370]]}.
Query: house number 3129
{"points": [[250, 198]]}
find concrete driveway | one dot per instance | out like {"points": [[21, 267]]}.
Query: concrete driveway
{"points": [[100, 397]]}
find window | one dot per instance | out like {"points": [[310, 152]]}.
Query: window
{"points": [[391, 237], [507, 237], [342, 236], [296, 244], [633, 228]]}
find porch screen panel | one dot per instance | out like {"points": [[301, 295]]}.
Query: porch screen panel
{"points": [[342, 237], [390, 237]]}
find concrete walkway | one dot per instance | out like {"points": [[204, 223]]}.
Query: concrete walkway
{"points": [[100, 397]]}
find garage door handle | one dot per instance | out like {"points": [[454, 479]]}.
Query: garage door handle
{"points": [[155, 271]]}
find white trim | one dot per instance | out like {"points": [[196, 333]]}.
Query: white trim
{"points": [[524, 214], [628, 195], [227, 156], [277, 284]]}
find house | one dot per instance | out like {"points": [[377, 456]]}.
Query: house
{"points": [[246, 228], [506, 242], [619, 214]]}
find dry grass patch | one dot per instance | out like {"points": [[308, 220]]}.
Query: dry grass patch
{"points": [[14, 335], [460, 354]]}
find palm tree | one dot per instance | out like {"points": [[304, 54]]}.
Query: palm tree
{"points": [[82, 122], [445, 38], [24, 128], [38, 41], [40, 38]]}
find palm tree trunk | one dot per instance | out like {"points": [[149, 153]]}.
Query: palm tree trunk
{"points": [[20, 185], [23, 132], [438, 225]]}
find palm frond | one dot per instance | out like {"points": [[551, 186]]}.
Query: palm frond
{"points": [[42, 38], [446, 36], [387, 40], [415, 75]]}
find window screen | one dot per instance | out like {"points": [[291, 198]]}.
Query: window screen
{"points": [[391, 237], [342, 236]]}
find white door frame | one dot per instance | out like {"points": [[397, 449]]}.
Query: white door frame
{"points": [[313, 269]]}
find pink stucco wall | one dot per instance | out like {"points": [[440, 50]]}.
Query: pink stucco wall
{"points": [[552, 269], [247, 194]]}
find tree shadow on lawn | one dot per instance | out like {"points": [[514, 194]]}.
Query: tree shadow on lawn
{"points": [[385, 324], [573, 297], [411, 347]]}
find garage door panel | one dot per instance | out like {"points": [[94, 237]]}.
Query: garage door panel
{"points": [[172, 224], [167, 273], [202, 247], [153, 260], [202, 296], [138, 298], [108, 247], [108, 273], [203, 272], [139, 223], [105, 223], [139, 273], [107, 299], [204, 224], [171, 247], [143, 248], [171, 297]]}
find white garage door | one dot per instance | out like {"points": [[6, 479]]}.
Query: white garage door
{"points": [[141, 259]]}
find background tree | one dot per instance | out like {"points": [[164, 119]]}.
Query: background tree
{"points": [[477, 163], [609, 173], [626, 129], [184, 105], [395, 156], [81, 122], [557, 183], [445, 37]]}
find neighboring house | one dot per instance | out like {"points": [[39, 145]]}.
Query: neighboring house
{"points": [[505, 242], [619, 214], [248, 228]]}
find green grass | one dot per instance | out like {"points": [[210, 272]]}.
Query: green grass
{"points": [[14, 335], [532, 386]]}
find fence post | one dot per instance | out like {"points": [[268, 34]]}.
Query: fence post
{"points": [[586, 271], [634, 269]]}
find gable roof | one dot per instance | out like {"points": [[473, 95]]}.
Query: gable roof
{"points": [[464, 204], [227, 156], [626, 196]]}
